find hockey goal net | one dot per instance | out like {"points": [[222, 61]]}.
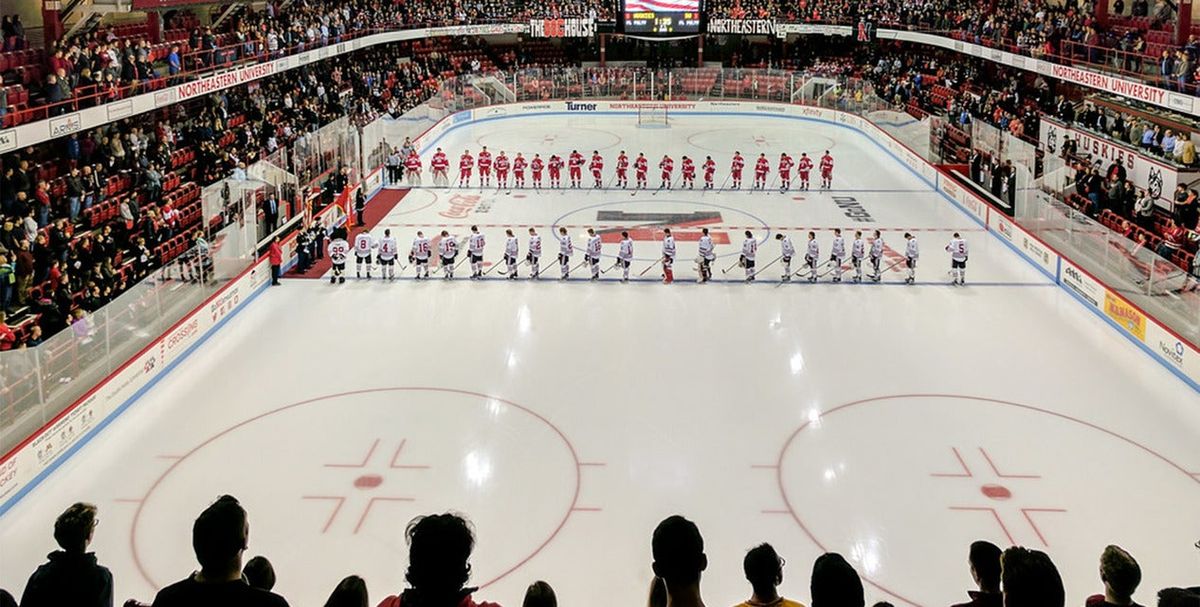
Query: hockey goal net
{"points": [[653, 116]]}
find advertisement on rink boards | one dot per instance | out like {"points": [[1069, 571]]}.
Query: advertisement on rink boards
{"points": [[22, 466], [1146, 172]]}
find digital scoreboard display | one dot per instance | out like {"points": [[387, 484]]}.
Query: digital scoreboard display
{"points": [[661, 17]]}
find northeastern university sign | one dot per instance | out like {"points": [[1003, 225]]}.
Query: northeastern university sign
{"points": [[742, 26]]}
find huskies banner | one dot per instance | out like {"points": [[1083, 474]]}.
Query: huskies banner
{"points": [[741, 26], [562, 28], [1143, 170]]}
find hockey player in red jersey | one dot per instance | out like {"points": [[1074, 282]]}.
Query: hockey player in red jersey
{"points": [[485, 167], [465, 163], [761, 168], [622, 170], [710, 169], [412, 166], [536, 165], [502, 166], [687, 169], [827, 170], [785, 171], [668, 166], [597, 167], [803, 168], [575, 165], [641, 166], [519, 164], [555, 166], [440, 164], [735, 169]]}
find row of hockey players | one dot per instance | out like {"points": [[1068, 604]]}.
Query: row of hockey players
{"points": [[575, 163], [386, 251]]}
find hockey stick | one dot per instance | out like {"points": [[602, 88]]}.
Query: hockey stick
{"points": [[577, 266], [888, 269], [493, 267], [643, 272], [726, 182], [785, 188], [806, 268], [830, 270], [615, 264], [735, 264], [773, 261], [669, 186]]}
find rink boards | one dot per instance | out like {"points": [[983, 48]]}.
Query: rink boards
{"points": [[41, 453]]}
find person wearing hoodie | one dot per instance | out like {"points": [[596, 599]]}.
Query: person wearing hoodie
{"points": [[71, 576]]}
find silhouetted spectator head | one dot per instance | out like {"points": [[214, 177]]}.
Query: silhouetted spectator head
{"points": [[1120, 574], [985, 565], [350, 592], [539, 594], [678, 552], [835, 583], [764, 570], [1178, 597], [73, 528], [6, 599], [1029, 578], [219, 536], [259, 573], [439, 546]]}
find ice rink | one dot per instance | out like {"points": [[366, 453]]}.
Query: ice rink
{"points": [[894, 424]]}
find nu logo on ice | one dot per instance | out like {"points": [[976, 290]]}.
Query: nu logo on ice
{"points": [[573, 106]]}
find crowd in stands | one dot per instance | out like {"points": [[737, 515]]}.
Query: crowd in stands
{"points": [[111, 63], [439, 572], [87, 216]]}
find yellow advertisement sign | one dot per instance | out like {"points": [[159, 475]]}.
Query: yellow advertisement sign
{"points": [[1125, 315]]}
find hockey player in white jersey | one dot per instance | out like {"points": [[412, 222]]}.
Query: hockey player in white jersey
{"points": [[475, 244], [338, 249], [811, 255], [447, 251], [837, 254], [786, 250], [706, 256], [911, 253], [535, 252], [858, 250], [511, 249], [625, 255], [387, 255], [958, 259], [876, 256], [565, 249], [591, 253], [419, 255], [668, 257], [363, 245], [749, 251]]}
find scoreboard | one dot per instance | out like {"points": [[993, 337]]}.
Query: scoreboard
{"points": [[661, 17]]}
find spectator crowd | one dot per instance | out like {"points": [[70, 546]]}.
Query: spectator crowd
{"points": [[438, 573]]}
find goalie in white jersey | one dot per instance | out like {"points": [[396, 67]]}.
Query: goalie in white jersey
{"points": [[535, 252], [706, 256], [787, 250], [363, 245], [565, 249], [811, 255], [911, 253], [475, 244], [591, 253], [837, 254], [338, 249], [447, 252], [511, 250], [419, 255], [668, 257], [958, 259], [625, 255], [387, 255], [877, 245], [858, 250], [749, 251]]}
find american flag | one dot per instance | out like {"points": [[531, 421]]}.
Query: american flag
{"points": [[662, 6]]}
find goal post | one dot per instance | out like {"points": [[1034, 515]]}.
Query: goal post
{"points": [[653, 116]]}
